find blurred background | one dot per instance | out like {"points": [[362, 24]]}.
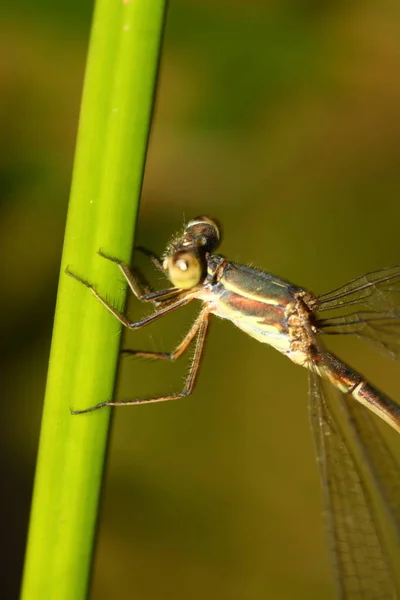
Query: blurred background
{"points": [[282, 120]]}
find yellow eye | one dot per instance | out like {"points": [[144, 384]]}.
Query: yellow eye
{"points": [[184, 270]]}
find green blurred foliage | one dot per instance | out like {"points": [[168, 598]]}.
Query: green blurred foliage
{"points": [[282, 120]]}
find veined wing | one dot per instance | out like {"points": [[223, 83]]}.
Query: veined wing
{"points": [[377, 286], [374, 315], [376, 453], [358, 546]]}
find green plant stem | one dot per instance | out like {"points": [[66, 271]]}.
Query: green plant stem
{"points": [[111, 147]]}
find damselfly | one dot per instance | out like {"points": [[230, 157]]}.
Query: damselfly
{"points": [[350, 449]]}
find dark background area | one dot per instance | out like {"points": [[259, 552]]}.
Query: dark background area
{"points": [[281, 120]]}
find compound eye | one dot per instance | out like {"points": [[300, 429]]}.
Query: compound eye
{"points": [[205, 232], [184, 269]]}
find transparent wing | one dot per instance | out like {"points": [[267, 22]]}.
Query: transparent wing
{"points": [[374, 315], [360, 558], [382, 331], [375, 288], [384, 469]]}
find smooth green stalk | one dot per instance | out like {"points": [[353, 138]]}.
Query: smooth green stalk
{"points": [[111, 148]]}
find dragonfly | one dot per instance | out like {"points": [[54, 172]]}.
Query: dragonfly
{"points": [[355, 462]]}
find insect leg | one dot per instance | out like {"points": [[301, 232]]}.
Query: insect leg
{"points": [[198, 331]]}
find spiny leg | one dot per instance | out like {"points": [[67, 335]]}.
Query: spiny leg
{"points": [[198, 329], [132, 280], [179, 350], [181, 299], [154, 259]]}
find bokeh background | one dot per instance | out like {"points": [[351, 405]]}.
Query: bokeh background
{"points": [[282, 120]]}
